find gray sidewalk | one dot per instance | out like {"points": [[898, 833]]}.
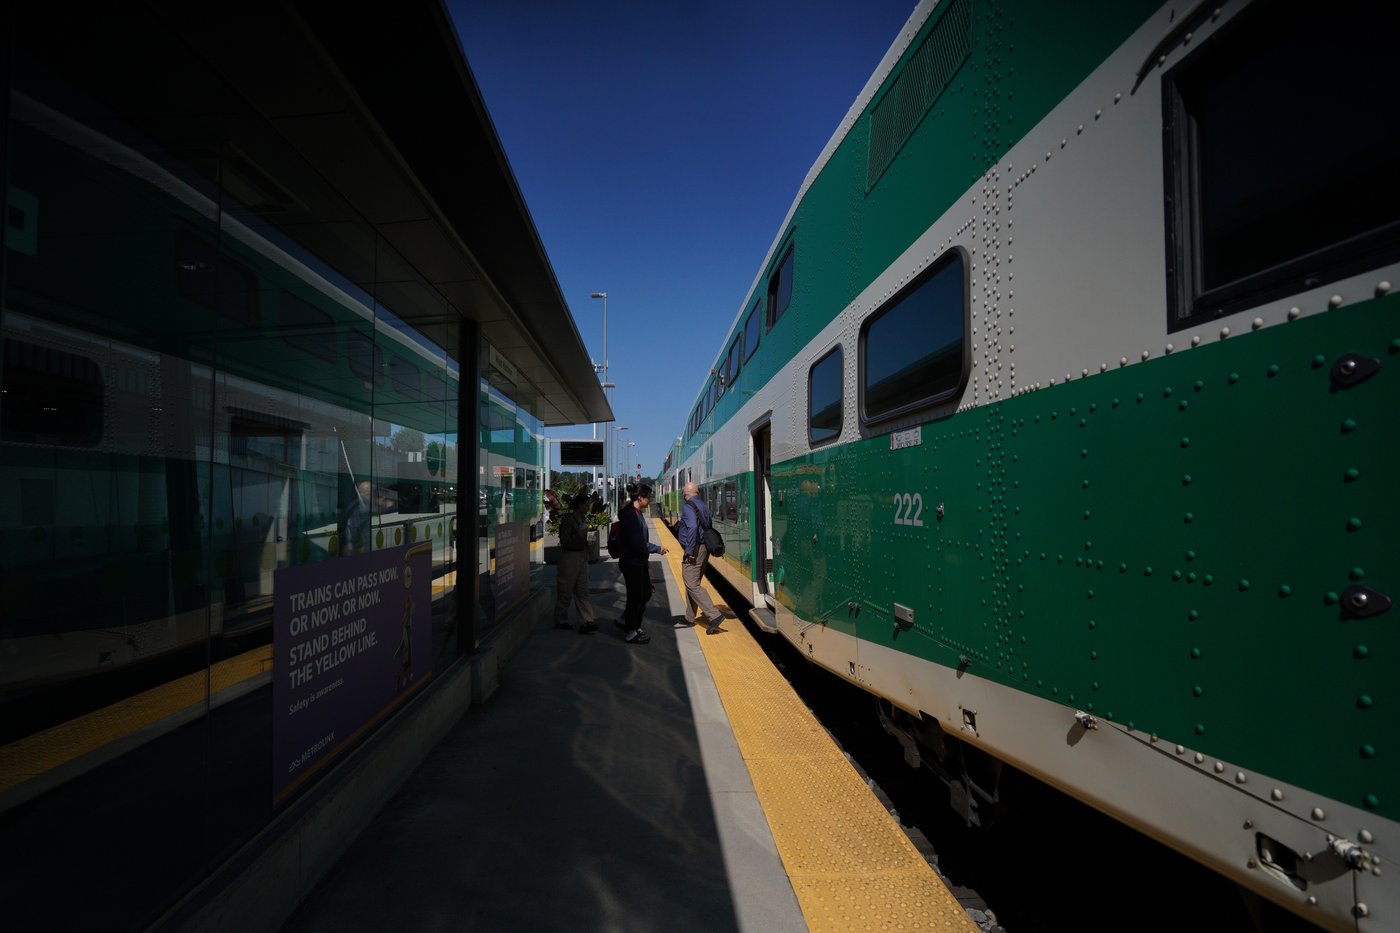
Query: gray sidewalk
{"points": [[600, 788]]}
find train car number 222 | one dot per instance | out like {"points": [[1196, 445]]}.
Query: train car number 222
{"points": [[908, 508]]}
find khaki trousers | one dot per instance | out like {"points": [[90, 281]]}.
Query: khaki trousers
{"points": [[573, 586], [695, 595]]}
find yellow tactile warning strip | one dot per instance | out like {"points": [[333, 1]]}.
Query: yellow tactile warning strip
{"points": [[444, 583], [851, 866], [37, 754]]}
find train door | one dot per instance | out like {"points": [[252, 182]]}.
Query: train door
{"points": [[763, 512]]}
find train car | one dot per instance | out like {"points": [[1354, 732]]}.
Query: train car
{"points": [[668, 486], [1060, 418]]}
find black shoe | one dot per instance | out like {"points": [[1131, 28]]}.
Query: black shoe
{"points": [[713, 628], [683, 623], [588, 628], [564, 625], [638, 637]]}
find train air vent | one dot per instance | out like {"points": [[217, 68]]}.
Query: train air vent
{"points": [[925, 76]]}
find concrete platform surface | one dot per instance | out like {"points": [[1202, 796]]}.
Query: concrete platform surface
{"points": [[600, 788]]}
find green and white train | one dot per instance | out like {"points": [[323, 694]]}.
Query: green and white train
{"points": [[1061, 417]]}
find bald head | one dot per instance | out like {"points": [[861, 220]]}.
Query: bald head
{"points": [[691, 490]]}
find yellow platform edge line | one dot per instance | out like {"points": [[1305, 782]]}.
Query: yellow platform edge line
{"points": [[34, 755], [851, 866], [27, 758]]}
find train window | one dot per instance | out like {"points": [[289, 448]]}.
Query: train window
{"points": [[364, 356], [729, 507], [780, 288], [50, 397], [824, 397], [913, 351], [405, 377], [305, 326], [731, 367], [434, 389], [751, 331], [212, 280], [1243, 224]]}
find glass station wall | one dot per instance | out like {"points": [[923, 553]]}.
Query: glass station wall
{"points": [[511, 479], [229, 482]]}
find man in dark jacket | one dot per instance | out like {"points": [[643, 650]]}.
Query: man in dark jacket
{"points": [[636, 551], [695, 518]]}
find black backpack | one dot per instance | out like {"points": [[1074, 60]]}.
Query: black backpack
{"points": [[713, 541], [615, 540]]}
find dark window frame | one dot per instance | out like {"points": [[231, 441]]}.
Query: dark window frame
{"points": [[753, 324], [839, 352], [787, 264], [395, 362], [434, 387], [734, 360], [375, 373], [195, 255], [52, 397], [1189, 302], [955, 254], [310, 341]]}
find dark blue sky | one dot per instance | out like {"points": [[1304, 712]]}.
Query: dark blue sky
{"points": [[658, 147]]}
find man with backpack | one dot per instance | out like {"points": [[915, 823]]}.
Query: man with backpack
{"points": [[635, 551], [695, 522], [573, 567]]}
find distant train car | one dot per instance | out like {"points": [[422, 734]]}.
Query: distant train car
{"points": [[1061, 417]]}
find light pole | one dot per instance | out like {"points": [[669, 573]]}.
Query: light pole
{"points": [[606, 386], [628, 464], [622, 481]]}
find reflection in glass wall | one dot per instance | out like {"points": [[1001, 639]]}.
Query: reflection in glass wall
{"points": [[214, 398], [511, 460]]}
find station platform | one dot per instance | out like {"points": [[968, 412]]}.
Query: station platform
{"points": [[675, 785]]}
